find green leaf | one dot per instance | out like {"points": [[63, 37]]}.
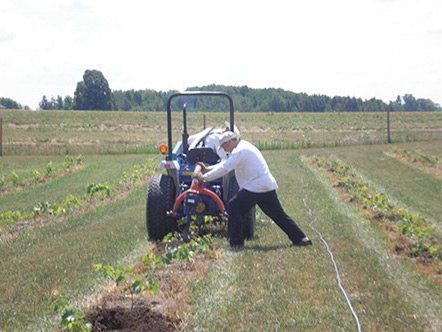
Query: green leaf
{"points": [[97, 267]]}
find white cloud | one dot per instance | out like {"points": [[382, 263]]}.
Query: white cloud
{"points": [[366, 48]]}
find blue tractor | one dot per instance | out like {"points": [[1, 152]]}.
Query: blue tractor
{"points": [[175, 200]]}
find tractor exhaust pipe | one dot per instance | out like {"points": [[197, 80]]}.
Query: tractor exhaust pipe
{"points": [[185, 134]]}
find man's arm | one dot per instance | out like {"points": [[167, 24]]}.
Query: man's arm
{"points": [[215, 172], [222, 168]]}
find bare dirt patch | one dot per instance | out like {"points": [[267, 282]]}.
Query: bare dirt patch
{"points": [[138, 319]]}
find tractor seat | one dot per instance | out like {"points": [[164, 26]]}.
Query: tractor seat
{"points": [[202, 154]]}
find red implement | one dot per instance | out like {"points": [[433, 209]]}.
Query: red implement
{"points": [[197, 187]]}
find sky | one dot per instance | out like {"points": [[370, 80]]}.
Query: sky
{"points": [[358, 48]]}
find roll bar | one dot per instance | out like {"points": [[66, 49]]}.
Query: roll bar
{"points": [[193, 93]]}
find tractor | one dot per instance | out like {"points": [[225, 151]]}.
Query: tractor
{"points": [[175, 200]]}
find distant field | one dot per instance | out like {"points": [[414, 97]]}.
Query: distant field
{"points": [[62, 132]]}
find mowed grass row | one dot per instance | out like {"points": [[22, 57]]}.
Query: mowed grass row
{"points": [[415, 188], [13, 179], [96, 169], [272, 286], [431, 148], [61, 132], [60, 255]]}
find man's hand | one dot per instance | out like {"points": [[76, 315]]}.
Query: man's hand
{"points": [[198, 176], [203, 166]]}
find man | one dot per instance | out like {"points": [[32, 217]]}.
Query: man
{"points": [[257, 186]]}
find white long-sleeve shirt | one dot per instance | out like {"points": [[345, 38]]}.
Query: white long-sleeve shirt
{"points": [[251, 170]]}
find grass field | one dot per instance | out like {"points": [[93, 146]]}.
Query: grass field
{"points": [[272, 286], [269, 286]]}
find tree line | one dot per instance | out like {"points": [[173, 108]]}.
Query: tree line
{"points": [[11, 104], [94, 93], [248, 99]]}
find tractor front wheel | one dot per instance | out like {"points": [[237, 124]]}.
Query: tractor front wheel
{"points": [[160, 199]]}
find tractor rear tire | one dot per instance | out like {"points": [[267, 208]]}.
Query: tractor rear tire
{"points": [[249, 221], [159, 201]]}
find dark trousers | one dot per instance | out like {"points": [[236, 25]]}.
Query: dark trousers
{"points": [[269, 203]]}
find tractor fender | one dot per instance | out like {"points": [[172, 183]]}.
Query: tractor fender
{"points": [[169, 164]]}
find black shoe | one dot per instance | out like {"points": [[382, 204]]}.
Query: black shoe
{"points": [[303, 243]]}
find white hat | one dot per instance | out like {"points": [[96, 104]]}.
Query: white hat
{"points": [[235, 128], [227, 136]]}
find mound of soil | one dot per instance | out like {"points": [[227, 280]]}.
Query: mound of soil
{"points": [[111, 311], [124, 319]]}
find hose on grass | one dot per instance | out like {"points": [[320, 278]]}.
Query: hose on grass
{"points": [[313, 219]]}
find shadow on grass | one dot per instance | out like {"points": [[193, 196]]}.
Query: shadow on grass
{"points": [[259, 247]]}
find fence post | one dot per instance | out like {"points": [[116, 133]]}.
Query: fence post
{"points": [[1, 137], [389, 108], [204, 121]]}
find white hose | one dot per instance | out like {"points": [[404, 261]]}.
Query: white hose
{"points": [[334, 263]]}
